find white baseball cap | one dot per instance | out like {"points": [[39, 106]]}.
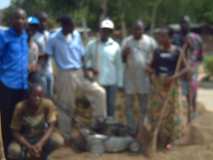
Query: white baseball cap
{"points": [[107, 23]]}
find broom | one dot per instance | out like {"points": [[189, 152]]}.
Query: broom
{"points": [[155, 129]]}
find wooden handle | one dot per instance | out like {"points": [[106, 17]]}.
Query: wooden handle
{"points": [[2, 156]]}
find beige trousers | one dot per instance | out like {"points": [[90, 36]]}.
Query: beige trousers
{"points": [[71, 83]]}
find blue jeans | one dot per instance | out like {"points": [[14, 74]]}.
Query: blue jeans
{"points": [[110, 98], [143, 104]]}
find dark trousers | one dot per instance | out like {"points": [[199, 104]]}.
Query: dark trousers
{"points": [[8, 99]]}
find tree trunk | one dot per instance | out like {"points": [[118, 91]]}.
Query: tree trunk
{"points": [[103, 9], [123, 25], [154, 15]]}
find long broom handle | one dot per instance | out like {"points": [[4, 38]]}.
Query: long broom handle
{"points": [[2, 155], [181, 57]]}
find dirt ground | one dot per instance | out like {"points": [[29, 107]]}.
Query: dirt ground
{"points": [[200, 138], [201, 147]]}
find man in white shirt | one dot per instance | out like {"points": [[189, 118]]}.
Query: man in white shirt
{"points": [[45, 62], [137, 53], [103, 59]]}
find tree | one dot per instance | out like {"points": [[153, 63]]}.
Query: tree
{"points": [[122, 10]]}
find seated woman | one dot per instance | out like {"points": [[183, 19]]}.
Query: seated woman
{"points": [[165, 69], [33, 127]]}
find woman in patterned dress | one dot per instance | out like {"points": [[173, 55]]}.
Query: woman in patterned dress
{"points": [[166, 68]]}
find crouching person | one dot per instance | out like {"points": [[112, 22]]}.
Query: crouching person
{"points": [[33, 127]]}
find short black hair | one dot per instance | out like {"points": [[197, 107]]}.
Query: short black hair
{"points": [[16, 11], [42, 15], [66, 19], [33, 86]]}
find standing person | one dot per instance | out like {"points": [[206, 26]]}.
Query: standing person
{"points": [[32, 26], [46, 69], [13, 69], [165, 69], [103, 59], [193, 54], [137, 52], [67, 50]]}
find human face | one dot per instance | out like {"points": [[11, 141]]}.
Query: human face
{"points": [[43, 23], [163, 40], [138, 31], [19, 20], [32, 28], [104, 34], [35, 96], [67, 27]]}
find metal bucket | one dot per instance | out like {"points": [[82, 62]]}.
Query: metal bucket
{"points": [[117, 144], [96, 143]]}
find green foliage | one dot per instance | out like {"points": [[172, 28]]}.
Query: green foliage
{"points": [[168, 11], [208, 61]]}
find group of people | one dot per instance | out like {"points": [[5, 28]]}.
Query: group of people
{"points": [[143, 66]]}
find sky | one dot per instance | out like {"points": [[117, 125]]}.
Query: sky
{"points": [[4, 3]]}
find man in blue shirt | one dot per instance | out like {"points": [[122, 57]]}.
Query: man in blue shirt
{"points": [[13, 69], [67, 50]]}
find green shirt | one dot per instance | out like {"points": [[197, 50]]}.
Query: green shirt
{"points": [[33, 125]]}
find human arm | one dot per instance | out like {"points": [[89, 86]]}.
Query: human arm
{"points": [[119, 68], [91, 59], [49, 48], [51, 119], [40, 144], [2, 43], [33, 56], [16, 126], [152, 62], [23, 141], [125, 50], [153, 47], [182, 66]]}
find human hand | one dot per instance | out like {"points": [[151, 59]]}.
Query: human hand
{"points": [[148, 70], [33, 67], [91, 74], [169, 80], [120, 89], [126, 53], [33, 152], [39, 146]]}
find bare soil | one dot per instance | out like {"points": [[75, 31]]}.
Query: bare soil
{"points": [[199, 139]]}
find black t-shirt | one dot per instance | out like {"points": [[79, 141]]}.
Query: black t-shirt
{"points": [[164, 62]]}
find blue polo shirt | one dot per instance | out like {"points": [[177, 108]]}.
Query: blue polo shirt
{"points": [[13, 59], [67, 51]]}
